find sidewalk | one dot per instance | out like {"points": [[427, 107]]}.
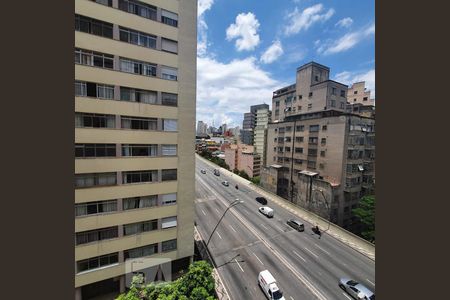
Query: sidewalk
{"points": [[364, 247]]}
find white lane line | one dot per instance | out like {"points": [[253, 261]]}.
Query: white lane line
{"points": [[233, 228], [299, 255], [262, 225], [203, 212], [322, 249], [258, 258], [370, 282], [219, 235], [347, 296], [239, 265], [291, 298], [311, 252], [244, 210], [217, 211]]}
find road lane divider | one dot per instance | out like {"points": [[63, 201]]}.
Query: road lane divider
{"points": [[239, 265], [258, 258], [311, 252], [299, 255], [322, 249]]}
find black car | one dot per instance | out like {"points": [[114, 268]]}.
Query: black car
{"points": [[261, 200]]}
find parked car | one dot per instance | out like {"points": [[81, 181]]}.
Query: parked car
{"points": [[269, 286], [356, 289], [225, 183], [203, 171], [297, 225], [267, 211], [261, 200], [216, 172]]}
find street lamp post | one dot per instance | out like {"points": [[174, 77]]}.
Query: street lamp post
{"points": [[328, 206], [235, 202]]}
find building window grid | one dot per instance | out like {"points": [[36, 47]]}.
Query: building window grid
{"points": [[93, 26], [137, 67], [169, 18], [140, 202], [88, 120], [95, 179], [169, 245], [137, 38], [80, 89], [94, 59], [97, 235], [105, 91], [139, 176], [138, 8], [141, 251], [139, 123], [95, 150], [131, 150], [98, 207], [169, 199], [138, 95], [140, 227], [169, 174], [169, 150], [97, 262], [169, 99]]}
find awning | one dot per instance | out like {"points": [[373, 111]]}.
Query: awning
{"points": [[308, 173]]}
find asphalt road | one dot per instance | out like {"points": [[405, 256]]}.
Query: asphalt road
{"points": [[246, 242]]}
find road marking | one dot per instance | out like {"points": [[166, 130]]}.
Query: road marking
{"points": [[347, 296], [244, 210], [219, 235], [262, 225], [233, 228], [203, 212], [258, 258], [239, 265], [291, 298], [217, 211], [311, 252], [322, 249], [370, 282], [299, 255]]}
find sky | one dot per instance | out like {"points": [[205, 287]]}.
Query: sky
{"points": [[247, 49]]}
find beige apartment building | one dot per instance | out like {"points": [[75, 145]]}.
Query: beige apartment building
{"points": [[135, 87], [358, 93], [324, 159], [243, 158]]}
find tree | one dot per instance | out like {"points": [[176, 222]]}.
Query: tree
{"points": [[365, 212], [256, 180], [243, 174]]}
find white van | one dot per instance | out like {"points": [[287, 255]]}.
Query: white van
{"points": [[269, 286], [266, 211]]}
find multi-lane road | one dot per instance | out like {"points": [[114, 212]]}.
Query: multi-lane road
{"points": [[246, 242]]}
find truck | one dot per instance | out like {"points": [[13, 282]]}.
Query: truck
{"points": [[269, 286]]}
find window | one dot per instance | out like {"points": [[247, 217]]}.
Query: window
{"points": [[355, 92], [170, 125], [321, 166], [105, 91], [139, 150], [169, 245], [313, 140], [169, 45], [168, 222], [139, 176], [333, 91], [354, 100], [169, 18], [310, 94], [309, 105], [324, 127], [137, 95], [80, 89], [342, 93], [287, 149], [342, 105], [287, 139], [299, 139], [169, 73], [136, 228], [169, 199], [323, 141], [95, 179], [314, 128], [288, 128], [298, 150], [300, 127], [322, 153], [169, 150], [298, 161], [98, 207], [300, 97], [316, 78], [169, 99], [169, 174], [139, 123], [137, 67], [299, 107], [138, 8], [277, 103], [311, 164], [365, 99], [94, 59], [312, 152], [95, 150], [333, 103], [139, 202], [104, 2], [137, 38], [141, 251], [97, 262], [93, 26], [96, 235]]}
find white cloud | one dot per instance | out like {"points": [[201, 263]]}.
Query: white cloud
{"points": [[347, 41], [298, 21], [272, 53], [345, 22], [349, 78], [244, 31], [229, 89], [202, 42], [203, 5]]}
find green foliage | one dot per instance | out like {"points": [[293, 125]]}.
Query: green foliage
{"points": [[236, 171], [256, 180], [197, 284], [365, 212], [243, 174]]}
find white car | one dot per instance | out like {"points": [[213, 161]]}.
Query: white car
{"points": [[225, 183], [265, 210]]}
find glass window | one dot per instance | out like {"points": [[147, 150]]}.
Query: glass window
{"points": [[169, 174], [97, 262], [137, 38], [95, 179], [80, 89], [95, 150], [139, 123], [139, 150], [140, 202], [170, 125], [96, 235], [136, 228], [169, 73], [169, 18], [93, 26], [138, 8], [139, 176], [169, 245], [141, 251], [94, 120], [169, 150], [89, 208], [169, 222], [169, 45], [169, 99], [168, 199], [105, 91]]}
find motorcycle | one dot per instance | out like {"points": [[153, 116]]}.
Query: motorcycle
{"points": [[316, 230], [236, 187]]}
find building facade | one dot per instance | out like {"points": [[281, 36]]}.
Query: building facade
{"points": [[202, 128], [358, 93], [322, 159], [243, 158], [249, 123], [135, 89], [262, 119]]}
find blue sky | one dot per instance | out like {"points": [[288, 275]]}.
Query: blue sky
{"points": [[249, 48]]}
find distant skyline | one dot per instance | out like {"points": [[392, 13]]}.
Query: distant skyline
{"points": [[247, 49]]}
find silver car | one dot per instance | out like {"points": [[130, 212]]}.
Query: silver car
{"points": [[356, 289]]}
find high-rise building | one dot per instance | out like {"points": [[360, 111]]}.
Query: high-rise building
{"points": [[249, 123], [262, 119], [243, 158], [322, 159], [201, 128], [135, 89]]}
